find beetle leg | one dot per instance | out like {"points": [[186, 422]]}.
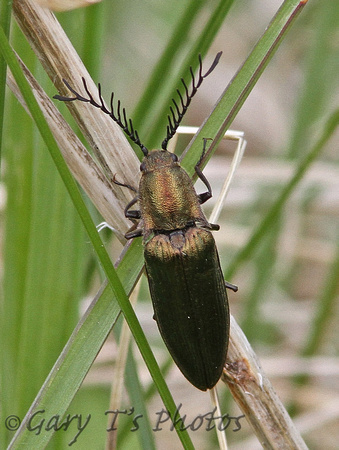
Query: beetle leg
{"points": [[231, 286], [134, 213], [133, 233], [123, 184], [233, 135], [208, 194]]}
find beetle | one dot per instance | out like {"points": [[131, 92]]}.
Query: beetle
{"points": [[182, 264]]}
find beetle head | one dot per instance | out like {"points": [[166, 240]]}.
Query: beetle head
{"points": [[157, 159]]}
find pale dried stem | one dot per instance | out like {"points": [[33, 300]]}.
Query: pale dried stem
{"points": [[256, 397], [61, 61], [84, 168]]}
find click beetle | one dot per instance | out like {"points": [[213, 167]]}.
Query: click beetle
{"points": [[185, 279]]}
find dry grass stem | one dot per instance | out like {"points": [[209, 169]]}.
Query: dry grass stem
{"points": [[84, 168], [256, 397], [60, 60]]}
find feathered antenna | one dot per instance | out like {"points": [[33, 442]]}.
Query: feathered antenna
{"points": [[121, 119], [179, 111]]}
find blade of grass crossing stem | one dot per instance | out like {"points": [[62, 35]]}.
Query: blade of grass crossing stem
{"points": [[241, 85], [102, 254], [276, 208]]}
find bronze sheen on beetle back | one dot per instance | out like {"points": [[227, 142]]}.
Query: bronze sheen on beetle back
{"points": [[182, 264]]}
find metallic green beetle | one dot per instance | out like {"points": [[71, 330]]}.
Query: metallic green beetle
{"points": [[182, 264]]}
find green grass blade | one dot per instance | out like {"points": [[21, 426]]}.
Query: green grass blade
{"points": [[79, 353], [15, 255], [240, 87], [5, 17], [137, 398]]}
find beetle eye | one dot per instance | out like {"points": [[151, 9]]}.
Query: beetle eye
{"points": [[174, 157], [142, 166]]}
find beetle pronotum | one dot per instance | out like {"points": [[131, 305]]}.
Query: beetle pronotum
{"points": [[182, 264]]}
